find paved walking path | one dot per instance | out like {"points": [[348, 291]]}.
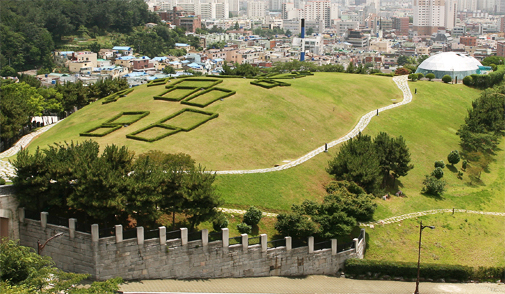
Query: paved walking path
{"points": [[401, 82], [309, 284], [6, 168]]}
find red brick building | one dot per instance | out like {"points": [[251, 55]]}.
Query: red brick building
{"points": [[401, 25], [500, 49], [468, 41], [181, 18]]}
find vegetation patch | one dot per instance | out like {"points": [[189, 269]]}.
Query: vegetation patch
{"points": [[208, 96], [153, 133], [114, 97], [158, 82], [115, 123], [187, 119], [269, 83], [176, 93], [196, 83], [291, 75]]}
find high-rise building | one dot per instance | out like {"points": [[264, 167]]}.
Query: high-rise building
{"points": [[433, 15], [401, 25], [256, 9]]}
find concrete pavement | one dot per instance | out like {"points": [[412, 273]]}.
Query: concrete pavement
{"points": [[302, 285]]}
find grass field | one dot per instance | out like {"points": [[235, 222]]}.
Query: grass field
{"points": [[256, 127]]}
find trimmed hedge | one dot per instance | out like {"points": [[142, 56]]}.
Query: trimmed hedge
{"points": [[161, 96], [408, 270], [187, 101], [158, 82], [114, 97], [384, 74], [115, 126], [139, 138], [216, 81], [210, 115], [269, 83], [111, 128]]}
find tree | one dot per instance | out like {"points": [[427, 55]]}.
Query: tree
{"points": [[493, 60], [310, 31], [402, 59], [422, 58], [402, 71], [446, 79], [413, 77], [453, 157], [440, 164], [252, 216], [430, 76], [236, 27], [288, 33], [169, 70], [433, 186], [8, 71], [350, 67], [438, 173], [419, 76], [468, 81], [219, 222], [357, 161], [294, 225], [95, 47], [393, 155], [244, 228], [24, 271]]}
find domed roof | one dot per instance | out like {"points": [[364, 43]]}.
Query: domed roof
{"points": [[450, 61]]}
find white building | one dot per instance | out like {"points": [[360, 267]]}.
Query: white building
{"points": [[431, 15], [256, 9]]}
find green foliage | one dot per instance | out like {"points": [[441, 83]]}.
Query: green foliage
{"points": [[243, 70], [137, 134], [220, 222], [453, 157], [2, 181], [413, 77], [402, 60], [407, 270], [244, 228], [169, 70], [420, 76], [402, 71], [162, 96], [430, 76], [464, 164], [114, 124], [158, 82], [294, 225], [226, 93], [113, 187], [439, 163], [8, 71], [269, 83], [447, 79], [493, 60], [438, 173], [209, 116], [114, 97], [433, 186], [252, 216], [468, 81]]}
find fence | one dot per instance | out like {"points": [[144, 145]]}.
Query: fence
{"points": [[195, 236], [236, 240], [322, 245], [151, 234], [276, 243], [174, 235], [56, 220], [107, 232], [254, 241], [215, 236], [30, 214]]}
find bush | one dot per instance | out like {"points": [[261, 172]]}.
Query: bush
{"points": [[433, 186], [446, 79], [420, 76], [430, 76], [439, 163], [413, 77], [438, 173], [468, 81], [219, 223], [408, 270], [402, 71], [453, 157], [252, 216], [2, 181], [244, 228], [226, 93], [464, 164]]}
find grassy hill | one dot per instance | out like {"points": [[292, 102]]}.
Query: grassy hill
{"points": [[256, 127]]}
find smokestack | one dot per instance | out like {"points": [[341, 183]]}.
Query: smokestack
{"points": [[302, 54]]}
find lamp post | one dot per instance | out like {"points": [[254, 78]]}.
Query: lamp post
{"points": [[421, 227], [42, 246]]}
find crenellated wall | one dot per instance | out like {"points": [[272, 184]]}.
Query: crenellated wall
{"points": [[159, 258]]}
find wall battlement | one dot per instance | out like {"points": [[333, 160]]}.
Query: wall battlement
{"points": [[159, 258]]}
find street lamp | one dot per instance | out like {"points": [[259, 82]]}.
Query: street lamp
{"points": [[41, 247], [421, 227]]}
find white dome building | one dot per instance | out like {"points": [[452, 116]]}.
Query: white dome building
{"points": [[454, 64]]}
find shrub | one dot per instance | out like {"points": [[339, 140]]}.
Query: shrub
{"points": [[468, 81], [433, 186], [453, 157], [460, 175], [438, 173], [413, 77], [464, 164], [219, 223], [420, 76], [210, 115], [439, 163], [402, 71], [244, 228], [226, 93], [170, 131], [430, 76], [2, 181], [252, 216], [408, 270], [446, 79]]}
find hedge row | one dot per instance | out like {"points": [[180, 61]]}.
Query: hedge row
{"points": [[216, 81], [158, 82], [139, 138], [115, 126], [408, 270], [227, 92], [485, 81], [269, 83], [114, 97], [384, 74], [161, 96]]}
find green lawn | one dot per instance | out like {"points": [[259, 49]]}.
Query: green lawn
{"points": [[256, 127]]}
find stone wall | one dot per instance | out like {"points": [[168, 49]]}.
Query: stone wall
{"points": [[159, 258], [9, 210]]}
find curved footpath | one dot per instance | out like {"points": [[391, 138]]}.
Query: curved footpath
{"points": [[7, 170]]}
